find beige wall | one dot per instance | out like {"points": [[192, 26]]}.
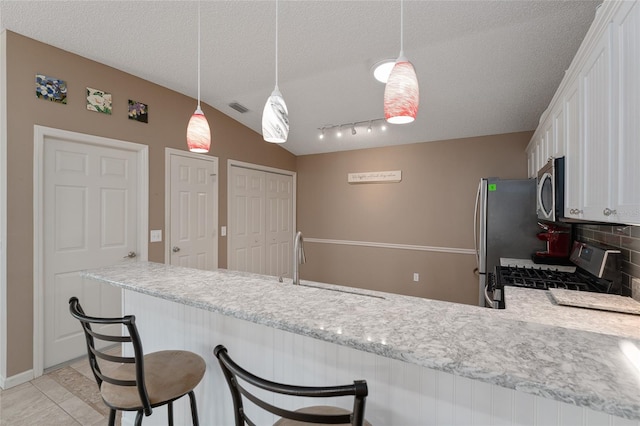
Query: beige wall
{"points": [[432, 206], [169, 113]]}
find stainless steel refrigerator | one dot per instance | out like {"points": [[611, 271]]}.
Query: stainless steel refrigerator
{"points": [[505, 224]]}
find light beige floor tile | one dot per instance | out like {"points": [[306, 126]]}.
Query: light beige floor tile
{"points": [[105, 420], [39, 416], [20, 402], [52, 389], [83, 368], [80, 411], [84, 388]]}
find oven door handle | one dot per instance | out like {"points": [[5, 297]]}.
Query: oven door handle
{"points": [[491, 303]]}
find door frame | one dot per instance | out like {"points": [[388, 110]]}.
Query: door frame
{"points": [[39, 135], [168, 152], [3, 209], [236, 163]]}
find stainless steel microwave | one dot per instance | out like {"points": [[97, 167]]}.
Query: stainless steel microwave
{"points": [[550, 191]]}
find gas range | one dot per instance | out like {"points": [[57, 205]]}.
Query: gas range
{"points": [[597, 269]]}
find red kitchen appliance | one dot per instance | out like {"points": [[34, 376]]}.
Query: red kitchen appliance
{"points": [[558, 238]]}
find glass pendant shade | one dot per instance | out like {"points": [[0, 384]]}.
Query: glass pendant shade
{"points": [[401, 93], [198, 132], [275, 119]]}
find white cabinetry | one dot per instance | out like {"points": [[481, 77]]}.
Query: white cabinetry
{"points": [[573, 156], [596, 89], [594, 120], [625, 171]]}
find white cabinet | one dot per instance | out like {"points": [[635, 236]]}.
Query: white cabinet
{"points": [[573, 162], [625, 171], [594, 121], [557, 149], [596, 91]]}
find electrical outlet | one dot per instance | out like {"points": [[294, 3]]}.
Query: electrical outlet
{"points": [[156, 236], [416, 277]]}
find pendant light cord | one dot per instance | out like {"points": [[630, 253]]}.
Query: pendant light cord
{"points": [[276, 43], [401, 27], [198, 54]]}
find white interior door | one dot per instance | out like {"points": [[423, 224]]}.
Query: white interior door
{"points": [[246, 221], [193, 239], [279, 231], [261, 205], [90, 205]]}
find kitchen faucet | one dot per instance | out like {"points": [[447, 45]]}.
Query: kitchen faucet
{"points": [[298, 257]]}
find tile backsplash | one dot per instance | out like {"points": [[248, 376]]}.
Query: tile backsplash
{"points": [[624, 238]]}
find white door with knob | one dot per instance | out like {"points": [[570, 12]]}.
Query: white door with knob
{"points": [[192, 210], [90, 204]]}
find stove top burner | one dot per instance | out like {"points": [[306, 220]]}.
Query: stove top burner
{"points": [[543, 279]]}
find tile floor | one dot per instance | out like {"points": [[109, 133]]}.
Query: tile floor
{"points": [[64, 396]]}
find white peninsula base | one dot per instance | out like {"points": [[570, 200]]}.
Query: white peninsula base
{"points": [[400, 393]]}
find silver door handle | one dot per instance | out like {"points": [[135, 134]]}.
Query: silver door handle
{"points": [[130, 255], [175, 249], [609, 212]]}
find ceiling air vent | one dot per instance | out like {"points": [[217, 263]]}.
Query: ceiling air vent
{"points": [[240, 108]]}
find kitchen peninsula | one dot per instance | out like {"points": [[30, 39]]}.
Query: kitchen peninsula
{"points": [[426, 361]]}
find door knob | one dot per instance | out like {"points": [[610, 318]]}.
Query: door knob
{"points": [[130, 255], [175, 249]]}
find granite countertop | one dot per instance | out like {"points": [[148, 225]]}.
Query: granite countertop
{"points": [[532, 346]]}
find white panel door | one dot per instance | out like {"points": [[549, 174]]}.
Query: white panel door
{"points": [[279, 198], [90, 220], [247, 220], [193, 236]]}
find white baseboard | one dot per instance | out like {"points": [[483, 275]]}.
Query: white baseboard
{"points": [[18, 379]]}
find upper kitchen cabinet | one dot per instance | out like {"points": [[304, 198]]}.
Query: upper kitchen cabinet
{"points": [[595, 120], [573, 156], [625, 174], [595, 85]]}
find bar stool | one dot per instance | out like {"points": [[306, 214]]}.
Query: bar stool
{"points": [[237, 377], [142, 382]]}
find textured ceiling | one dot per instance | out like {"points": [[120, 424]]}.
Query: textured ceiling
{"points": [[484, 67]]}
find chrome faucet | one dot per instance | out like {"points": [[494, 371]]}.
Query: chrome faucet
{"points": [[298, 257]]}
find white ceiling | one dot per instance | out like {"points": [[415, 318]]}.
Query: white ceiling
{"points": [[484, 67]]}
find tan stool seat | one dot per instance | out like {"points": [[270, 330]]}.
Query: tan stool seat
{"points": [[186, 367], [140, 382], [316, 409]]}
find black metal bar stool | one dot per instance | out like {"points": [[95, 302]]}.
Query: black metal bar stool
{"points": [[319, 414], [142, 382]]}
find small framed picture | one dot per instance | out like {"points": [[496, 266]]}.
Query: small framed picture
{"points": [[51, 89], [138, 111], [98, 101]]}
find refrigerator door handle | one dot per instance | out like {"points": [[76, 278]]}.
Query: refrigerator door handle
{"points": [[475, 225], [490, 302]]}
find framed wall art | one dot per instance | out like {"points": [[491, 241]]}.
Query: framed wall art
{"points": [[51, 89]]}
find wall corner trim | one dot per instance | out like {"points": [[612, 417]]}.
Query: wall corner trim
{"points": [[18, 379]]}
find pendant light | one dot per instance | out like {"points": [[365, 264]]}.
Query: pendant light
{"points": [[275, 116], [401, 93], [198, 132]]}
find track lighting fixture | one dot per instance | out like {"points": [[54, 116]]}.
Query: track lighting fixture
{"points": [[370, 125]]}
